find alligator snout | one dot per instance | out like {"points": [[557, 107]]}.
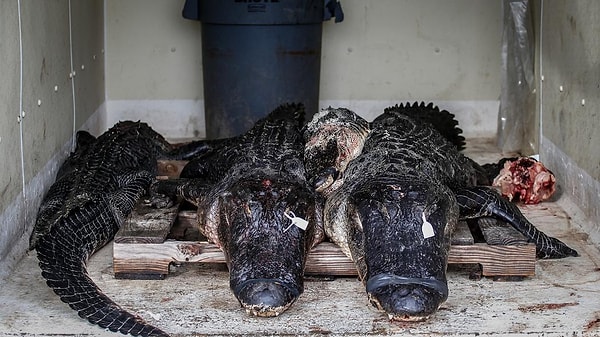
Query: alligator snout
{"points": [[266, 297], [324, 179], [406, 299], [266, 228]]}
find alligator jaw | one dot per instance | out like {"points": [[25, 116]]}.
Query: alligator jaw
{"points": [[407, 318], [265, 298], [406, 299], [334, 137]]}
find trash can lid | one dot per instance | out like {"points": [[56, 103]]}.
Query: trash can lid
{"points": [[262, 12]]}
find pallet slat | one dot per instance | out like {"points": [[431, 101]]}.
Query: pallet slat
{"points": [[496, 260], [146, 224], [500, 233], [462, 235], [325, 259], [140, 249]]}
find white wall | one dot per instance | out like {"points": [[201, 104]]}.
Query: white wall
{"points": [[42, 108], [385, 52], [570, 100]]}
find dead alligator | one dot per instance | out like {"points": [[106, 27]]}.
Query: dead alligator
{"points": [[400, 199], [255, 204], [95, 189]]}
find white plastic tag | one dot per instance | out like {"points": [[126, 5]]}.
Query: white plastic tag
{"points": [[427, 229], [296, 221]]}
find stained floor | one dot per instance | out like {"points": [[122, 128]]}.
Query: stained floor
{"points": [[562, 299]]}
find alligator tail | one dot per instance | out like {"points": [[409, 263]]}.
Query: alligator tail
{"points": [[71, 282], [67, 242], [62, 255]]}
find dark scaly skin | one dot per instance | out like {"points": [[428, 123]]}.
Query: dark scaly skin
{"points": [[441, 120], [387, 194], [480, 201], [242, 191], [409, 174], [96, 188]]}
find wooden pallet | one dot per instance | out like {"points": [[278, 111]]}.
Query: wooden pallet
{"points": [[151, 239]]}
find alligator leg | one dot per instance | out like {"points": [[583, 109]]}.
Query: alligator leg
{"points": [[191, 190], [197, 148], [475, 202]]}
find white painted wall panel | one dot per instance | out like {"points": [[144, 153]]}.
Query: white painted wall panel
{"points": [[152, 52], [409, 49], [88, 57], [47, 101], [10, 166], [570, 104], [46, 65]]}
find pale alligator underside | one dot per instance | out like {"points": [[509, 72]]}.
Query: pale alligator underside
{"points": [[95, 190]]}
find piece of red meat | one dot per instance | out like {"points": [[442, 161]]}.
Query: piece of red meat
{"points": [[525, 179]]}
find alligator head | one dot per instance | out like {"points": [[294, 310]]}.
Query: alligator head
{"points": [[265, 227], [333, 138], [399, 237]]}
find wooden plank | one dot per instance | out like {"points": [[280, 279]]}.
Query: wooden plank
{"points": [[187, 218], [149, 258], [140, 251], [325, 259], [146, 258], [328, 259], [462, 234], [500, 233], [146, 224], [497, 260]]}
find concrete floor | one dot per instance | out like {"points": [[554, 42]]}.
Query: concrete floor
{"points": [[562, 299]]}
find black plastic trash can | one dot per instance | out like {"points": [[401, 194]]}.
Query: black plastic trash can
{"points": [[257, 55]]}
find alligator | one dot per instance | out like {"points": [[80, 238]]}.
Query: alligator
{"points": [[254, 203], [94, 191], [400, 197]]}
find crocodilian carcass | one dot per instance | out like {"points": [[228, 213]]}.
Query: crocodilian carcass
{"points": [[395, 190], [95, 190], [255, 204]]}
